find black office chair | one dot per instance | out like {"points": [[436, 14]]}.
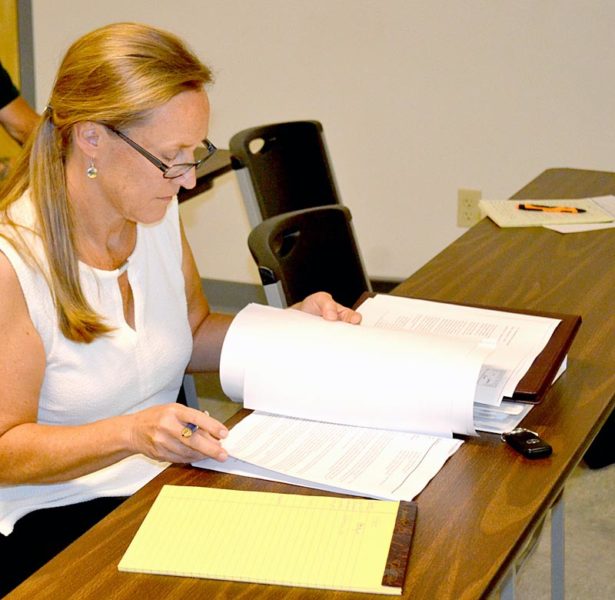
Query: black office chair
{"points": [[309, 250], [283, 167]]}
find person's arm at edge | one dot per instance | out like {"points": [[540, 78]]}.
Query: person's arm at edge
{"points": [[19, 119], [208, 328]]}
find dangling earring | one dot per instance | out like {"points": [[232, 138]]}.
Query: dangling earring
{"points": [[92, 171]]}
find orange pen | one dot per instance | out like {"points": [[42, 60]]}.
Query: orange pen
{"points": [[554, 209]]}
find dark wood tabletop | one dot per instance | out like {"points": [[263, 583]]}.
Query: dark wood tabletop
{"points": [[475, 516]]}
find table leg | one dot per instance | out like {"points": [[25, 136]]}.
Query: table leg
{"points": [[557, 548], [507, 589]]}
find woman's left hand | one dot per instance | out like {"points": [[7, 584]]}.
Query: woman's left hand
{"points": [[322, 304]]}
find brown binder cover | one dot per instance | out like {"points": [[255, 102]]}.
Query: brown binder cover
{"points": [[535, 383], [399, 552]]}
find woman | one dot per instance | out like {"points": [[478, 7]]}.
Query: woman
{"points": [[102, 308]]}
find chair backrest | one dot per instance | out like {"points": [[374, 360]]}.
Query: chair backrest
{"points": [[283, 167], [309, 250]]}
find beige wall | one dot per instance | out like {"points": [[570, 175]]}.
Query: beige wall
{"points": [[418, 99]]}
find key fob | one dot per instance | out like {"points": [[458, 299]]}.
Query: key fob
{"points": [[527, 442]]}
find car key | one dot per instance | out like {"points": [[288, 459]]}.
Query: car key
{"points": [[527, 442]]}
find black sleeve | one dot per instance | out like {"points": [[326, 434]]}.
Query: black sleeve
{"points": [[8, 91]]}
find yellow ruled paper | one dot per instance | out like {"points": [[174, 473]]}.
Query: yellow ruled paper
{"points": [[284, 539]]}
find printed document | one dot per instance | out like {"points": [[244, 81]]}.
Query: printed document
{"points": [[412, 365], [377, 463], [517, 339], [371, 409], [294, 364]]}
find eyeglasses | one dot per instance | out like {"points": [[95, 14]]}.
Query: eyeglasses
{"points": [[201, 153]]}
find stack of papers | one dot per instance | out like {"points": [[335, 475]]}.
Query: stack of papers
{"points": [[412, 365], [371, 409], [606, 203], [506, 213]]}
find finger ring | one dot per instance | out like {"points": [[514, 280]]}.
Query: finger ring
{"points": [[189, 429]]}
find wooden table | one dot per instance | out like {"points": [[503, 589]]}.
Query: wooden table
{"points": [[476, 515]]}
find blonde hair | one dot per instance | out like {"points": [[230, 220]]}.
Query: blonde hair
{"points": [[114, 75]]}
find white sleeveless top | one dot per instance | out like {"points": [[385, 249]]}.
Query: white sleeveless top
{"points": [[120, 373]]}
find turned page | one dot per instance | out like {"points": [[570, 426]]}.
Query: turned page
{"points": [[286, 362]]}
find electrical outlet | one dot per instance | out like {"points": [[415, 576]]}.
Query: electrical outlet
{"points": [[468, 212]]}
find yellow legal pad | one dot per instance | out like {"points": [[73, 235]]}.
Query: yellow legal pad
{"points": [[261, 537]]}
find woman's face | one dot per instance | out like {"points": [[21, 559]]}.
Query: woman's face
{"points": [[131, 184]]}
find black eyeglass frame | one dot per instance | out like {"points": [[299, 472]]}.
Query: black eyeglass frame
{"points": [[211, 149]]}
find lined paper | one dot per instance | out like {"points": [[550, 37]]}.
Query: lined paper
{"points": [[284, 539]]}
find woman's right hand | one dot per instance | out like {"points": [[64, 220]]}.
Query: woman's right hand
{"points": [[157, 433]]}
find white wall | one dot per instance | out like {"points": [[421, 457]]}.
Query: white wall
{"points": [[417, 100]]}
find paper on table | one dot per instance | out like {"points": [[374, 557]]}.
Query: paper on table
{"points": [[499, 419], [234, 466], [377, 463], [517, 338], [505, 213], [307, 541], [507, 416], [606, 203], [339, 372]]}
